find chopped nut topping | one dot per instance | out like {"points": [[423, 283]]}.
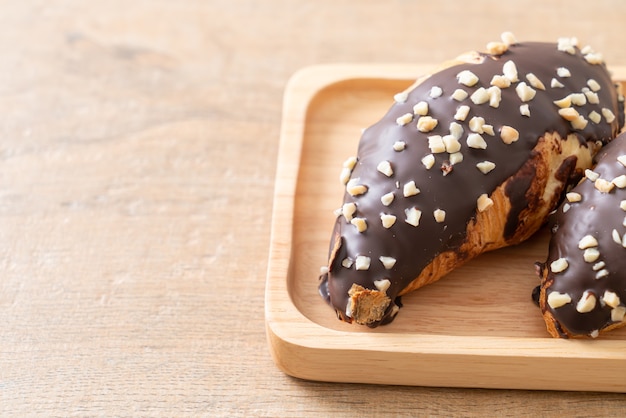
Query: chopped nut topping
{"points": [[436, 145], [556, 299], [428, 161], [488, 129], [485, 166], [619, 181], [401, 97], [459, 95], [592, 97], [566, 207], [579, 123], [385, 168], [387, 198], [535, 82], [355, 189], [476, 141], [484, 202], [559, 265], [456, 130], [426, 124], [573, 197], [611, 299], [622, 205], [556, 84], [594, 333], [348, 210], [569, 113], [622, 160], [404, 119], [591, 175], [524, 110], [497, 48], [509, 69], [586, 303], [563, 72], [593, 84], [567, 45], [362, 262], [384, 284], [413, 216], [591, 255], [595, 117], [467, 78], [618, 313], [440, 215], [616, 237], [495, 96], [387, 220], [324, 269], [462, 112], [603, 185], [594, 58], [480, 96], [360, 223], [563, 103], [410, 189], [598, 266], [578, 99], [624, 221], [476, 124], [421, 109], [509, 134], [345, 174], [500, 81], [508, 38], [350, 162], [399, 145], [525, 92], [587, 241], [435, 92], [602, 274], [451, 143], [347, 262], [455, 158], [608, 115], [388, 262]]}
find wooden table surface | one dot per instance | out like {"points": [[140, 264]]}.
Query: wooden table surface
{"points": [[138, 145]]}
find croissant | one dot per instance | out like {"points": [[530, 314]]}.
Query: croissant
{"points": [[583, 281], [468, 159]]}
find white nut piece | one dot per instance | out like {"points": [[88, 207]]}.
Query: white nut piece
{"points": [[525, 92], [410, 189], [509, 134], [480, 96], [360, 223], [384, 167], [556, 84], [345, 174], [435, 92], [387, 198], [426, 124], [350, 162], [559, 265], [524, 110], [590, 255], [598, 266], [569, 113], [485, 166], [508, 38], [591, 175], [573, 197], [509, 70], [592, 97], [608, 115], [604, 186], [404, 119], [399, 146], [593, 85], [383, 285], [467, 78], [476, 141], [622, 160], [579, 123], [436, 145], [611, 299], [556, 299], [440, 215], [497, 48], [455, 158], [451, 143], [563, 72], [586, 303], [459, 95], [456, 130], [476, 124], [421, 109], [534, 81], [428, 161], [500, 81], [619, 181], [587, 241], [388, 262], [362, 262], [387, 220], [413, 216], [602, 273], [347, 262], [354, 188], [495, 96], [462, 112], [483, 202], [348, 210], [595, 117], [618, 313], [578, 99]]}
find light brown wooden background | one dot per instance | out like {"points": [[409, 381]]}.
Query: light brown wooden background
{"points": [[138, 144]]}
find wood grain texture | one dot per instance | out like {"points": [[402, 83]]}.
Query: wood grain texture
{"points": [[137, 160]]}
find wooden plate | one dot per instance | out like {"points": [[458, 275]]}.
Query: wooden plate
{"points": [[475, 328]]}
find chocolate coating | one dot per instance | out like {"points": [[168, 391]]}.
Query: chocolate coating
{"points": [[456, 193], [598, 214]]}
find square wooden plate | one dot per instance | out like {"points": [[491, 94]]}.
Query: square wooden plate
{"points": [[477, 327]]}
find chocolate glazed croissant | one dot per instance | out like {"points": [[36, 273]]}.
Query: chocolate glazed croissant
{"points": [[468, 159], [583, 282]]}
